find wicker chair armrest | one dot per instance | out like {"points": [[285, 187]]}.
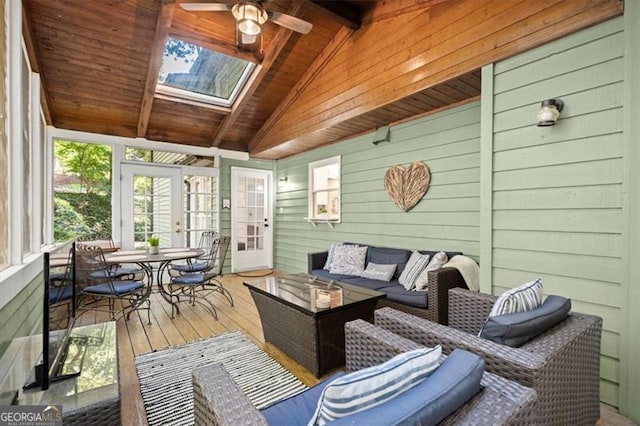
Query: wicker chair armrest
{"points": [[468, 310], [514, 363], [500, 402], [367, 345], [217, 400], [440, 282], [316, 260]]}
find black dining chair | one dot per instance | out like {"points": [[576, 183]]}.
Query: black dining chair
{"points": [[96, 284], [61, 294], [107, 245], [201, 263], [194, 287]]}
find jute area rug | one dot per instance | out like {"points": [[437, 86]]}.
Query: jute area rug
{"points": [[166, 384]]}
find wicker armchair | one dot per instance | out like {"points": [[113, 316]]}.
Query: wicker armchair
{"points": [[562, 364], [218, 400]]}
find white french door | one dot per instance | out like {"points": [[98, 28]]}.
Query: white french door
{"points": [[251, 227], [151, 205]]}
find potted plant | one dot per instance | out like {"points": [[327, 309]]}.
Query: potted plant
{"points": [[154, 242]]}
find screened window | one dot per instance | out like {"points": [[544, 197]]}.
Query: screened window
{"points": [[4, 170], [192, 72], [324, 189]]}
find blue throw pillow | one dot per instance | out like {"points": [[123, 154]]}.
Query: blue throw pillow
{"points": [[373, 386]]}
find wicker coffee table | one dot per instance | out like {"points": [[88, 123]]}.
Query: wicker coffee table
{"points": [[304, 316]]}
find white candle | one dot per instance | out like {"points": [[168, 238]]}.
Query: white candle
{"points": [[323, 300]]}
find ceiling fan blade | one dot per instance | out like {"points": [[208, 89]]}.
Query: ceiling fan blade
{"points": [[205, 7], [290, 22]]}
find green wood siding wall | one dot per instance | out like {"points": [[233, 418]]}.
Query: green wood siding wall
{"points": [[447, 218], [23, 314], [556, 193]]}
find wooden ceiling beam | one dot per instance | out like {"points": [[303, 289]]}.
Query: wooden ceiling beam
{"points": [[341, 12], [279, 42], [155, 61], [29, 41], [316, 67]]}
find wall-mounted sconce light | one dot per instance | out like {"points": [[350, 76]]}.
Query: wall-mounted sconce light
{"points": [[549, 112], [381, 135], [283, 181]]}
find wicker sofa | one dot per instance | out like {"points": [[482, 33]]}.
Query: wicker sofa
{"points": [[562, 364], [218, 400], [431, 304]]}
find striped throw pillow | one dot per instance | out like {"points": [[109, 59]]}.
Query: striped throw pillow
{"points": [[520, 299], [370, 387], [415, 265]]}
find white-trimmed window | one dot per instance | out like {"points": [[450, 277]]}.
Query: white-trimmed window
{"points": [[324, 190]]}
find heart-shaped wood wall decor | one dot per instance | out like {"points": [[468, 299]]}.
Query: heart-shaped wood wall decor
{"points": [[407, 186]]}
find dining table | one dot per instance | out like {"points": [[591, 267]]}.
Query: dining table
{"points": [[159, 261]]}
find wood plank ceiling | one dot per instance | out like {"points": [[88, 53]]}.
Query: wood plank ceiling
{"points": [[364, 65]]}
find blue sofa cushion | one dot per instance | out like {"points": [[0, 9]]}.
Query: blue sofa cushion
{"points": [[454, 383], [387, 256], [399, 294], [368, 283], [324, 274], [518, 328], [298, 409]]}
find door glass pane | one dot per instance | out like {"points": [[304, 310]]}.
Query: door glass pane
{"points": [[152, 210], [200, 207]]}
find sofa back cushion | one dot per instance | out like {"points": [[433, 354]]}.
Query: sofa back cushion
{"points": [[452, 385], [373, 386], [387, 256], [518, 328]]}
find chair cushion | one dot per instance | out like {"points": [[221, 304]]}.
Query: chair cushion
{"points": [[373, 386], [453, 384], [385, 256], [114, 272], [437, 261], [399, 294], [526, 297], [189, 279], [298, 409], [348, 260], [58, 294], [120, 288], [190, 267], [379, 272], [416, 264], [518, 328]]}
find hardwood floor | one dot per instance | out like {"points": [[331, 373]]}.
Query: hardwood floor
{"points": [[136, 337]]}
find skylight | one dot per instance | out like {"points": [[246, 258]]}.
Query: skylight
{"points": [[193, 72]]}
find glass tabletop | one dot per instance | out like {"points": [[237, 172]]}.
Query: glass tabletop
{"points": [[312, 294]]}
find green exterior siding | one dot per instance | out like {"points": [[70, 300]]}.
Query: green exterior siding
{"points": [[556, 196], [447, 218], [23, 314]]}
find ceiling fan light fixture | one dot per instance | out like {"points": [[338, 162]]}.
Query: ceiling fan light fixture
{"points": [[249, 17]]}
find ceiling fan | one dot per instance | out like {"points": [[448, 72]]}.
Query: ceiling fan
{"points": [[250, 15]]}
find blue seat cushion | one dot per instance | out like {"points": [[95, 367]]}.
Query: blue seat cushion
{"points": [[190, 279], [398, 293], [518, 328], [367, 283], [454, 383], [58, 294], [193, 267], [120, 288], [324, 274], [114, 272], [298, 409]]}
